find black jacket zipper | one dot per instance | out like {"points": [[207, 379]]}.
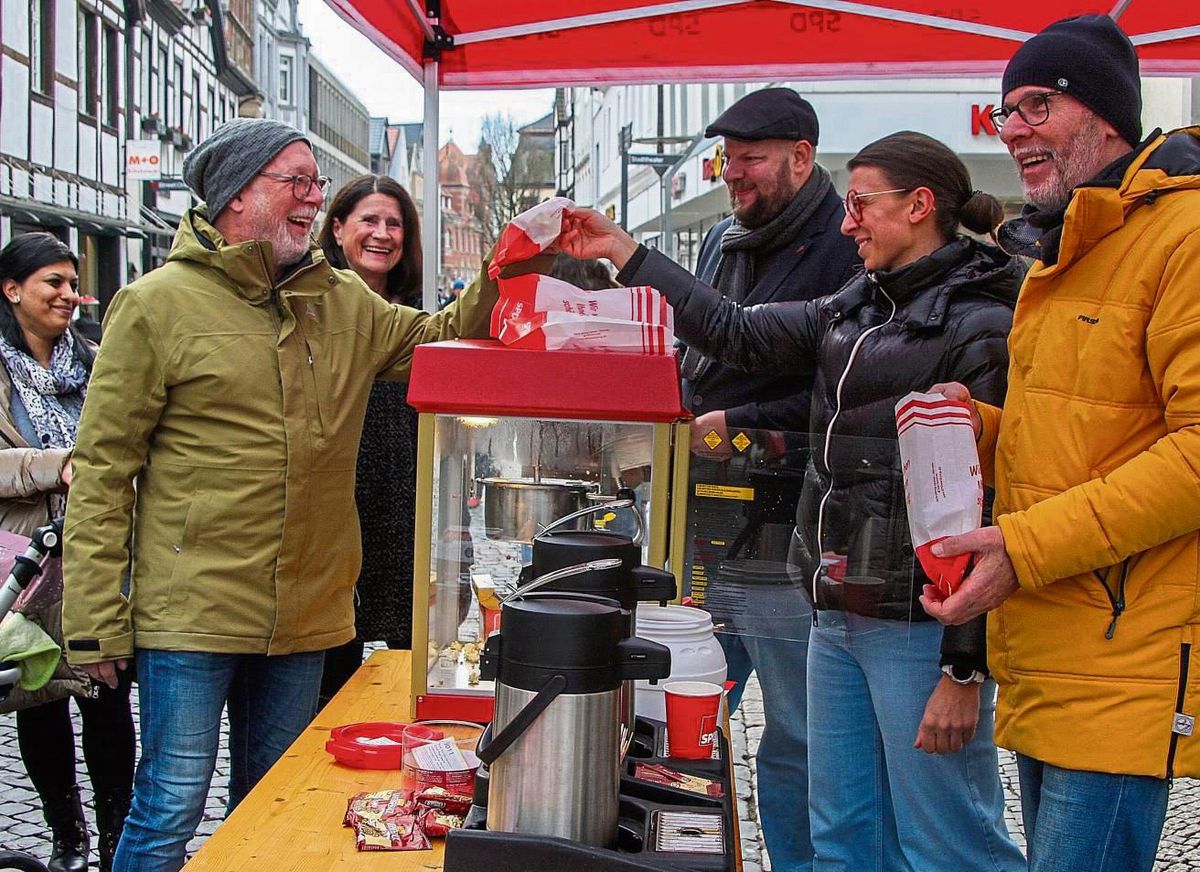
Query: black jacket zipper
{"points": [[1185, 653]]}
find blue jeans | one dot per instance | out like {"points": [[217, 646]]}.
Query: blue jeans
{"points": [[738, 667], [878, 803], [271, 700], [773, 642], [1090, 821]]}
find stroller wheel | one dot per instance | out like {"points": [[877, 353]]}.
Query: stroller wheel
{"points": [[20, 861]]}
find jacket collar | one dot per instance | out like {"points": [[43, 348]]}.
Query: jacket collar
{"points": [[923, 289], [1162, 164], [249, 266]]}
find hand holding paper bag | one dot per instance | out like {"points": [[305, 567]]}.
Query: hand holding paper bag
{"points": [[943, 484]]}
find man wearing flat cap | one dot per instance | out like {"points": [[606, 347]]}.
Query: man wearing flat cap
{"points": [[1092, 566], [216, 463], [782, 242]]}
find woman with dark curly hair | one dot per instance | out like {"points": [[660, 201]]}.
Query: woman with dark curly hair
{"points": [[371, 228]]}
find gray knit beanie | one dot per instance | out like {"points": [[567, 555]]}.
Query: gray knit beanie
{"points": [[219, 167]]}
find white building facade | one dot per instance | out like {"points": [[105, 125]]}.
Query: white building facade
{"points": [[62, 123], [338, 127], [851, 114]]}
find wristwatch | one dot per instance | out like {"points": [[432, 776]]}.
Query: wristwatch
{"points": [[963, 674]]}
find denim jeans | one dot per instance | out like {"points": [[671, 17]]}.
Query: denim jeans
{"points": [[271, 700], [772, 640], [1090, 821], [738, 667], [878, 803]]}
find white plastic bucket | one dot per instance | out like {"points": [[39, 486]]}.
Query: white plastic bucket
{"points": [[695, 654]]}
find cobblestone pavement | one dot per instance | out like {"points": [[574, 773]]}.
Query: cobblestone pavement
{"points": [[22, 827]]}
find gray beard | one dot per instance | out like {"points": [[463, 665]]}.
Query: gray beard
{"points": [[1074, 164]]}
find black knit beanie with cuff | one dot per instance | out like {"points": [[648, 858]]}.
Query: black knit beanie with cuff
{"points": [[1090, 58]]}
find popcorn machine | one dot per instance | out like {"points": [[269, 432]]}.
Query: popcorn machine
{"points": [[510, 441]]}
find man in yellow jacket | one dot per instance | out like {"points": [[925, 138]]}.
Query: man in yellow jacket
{"points": [[1092, 566], [231, 387]]}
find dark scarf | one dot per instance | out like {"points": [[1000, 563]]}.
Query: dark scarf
{"points": [[740, 246]]}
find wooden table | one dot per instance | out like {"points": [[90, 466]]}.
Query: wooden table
{"points": [[292, 820]]}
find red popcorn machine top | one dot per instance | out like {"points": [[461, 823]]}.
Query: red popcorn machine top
{"points": [[510, 441]]}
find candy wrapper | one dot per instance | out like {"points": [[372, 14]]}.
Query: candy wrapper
{"points": [[664, 775], [943, 484], [523, 296], [439, 799], [384, 802], [529, 233], [378, 832], [398, 820]]}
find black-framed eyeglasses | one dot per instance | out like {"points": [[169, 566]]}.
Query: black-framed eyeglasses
{"points": [[854, 199], [301, 185], [1034, 109]]}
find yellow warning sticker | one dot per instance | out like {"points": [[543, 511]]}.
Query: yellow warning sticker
{"points": [[722, 492], [713, 440], [741, 442]]}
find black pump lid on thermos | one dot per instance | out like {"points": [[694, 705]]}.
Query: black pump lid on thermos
{"points": [[629, 583], [580, 637]]}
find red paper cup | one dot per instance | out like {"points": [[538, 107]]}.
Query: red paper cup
{"points": [[692, 711]]}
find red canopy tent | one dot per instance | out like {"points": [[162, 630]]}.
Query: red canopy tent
{"points": [[463, 44]]}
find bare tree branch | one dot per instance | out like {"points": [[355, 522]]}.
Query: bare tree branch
{"points": [[510, 174]]}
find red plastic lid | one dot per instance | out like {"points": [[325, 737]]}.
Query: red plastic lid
{"points": [[349, 747]]}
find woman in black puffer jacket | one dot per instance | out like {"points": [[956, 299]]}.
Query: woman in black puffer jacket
{"points": [[931, 307]]}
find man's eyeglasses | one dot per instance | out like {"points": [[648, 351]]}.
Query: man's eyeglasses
{"points": [[1034, 109], [854, 200], [301, 185]]}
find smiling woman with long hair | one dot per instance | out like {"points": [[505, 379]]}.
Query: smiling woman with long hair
{"points": [[371, 228], [45, 364]]}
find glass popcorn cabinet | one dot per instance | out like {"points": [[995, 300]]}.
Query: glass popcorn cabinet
{"points": [[510, 441]]}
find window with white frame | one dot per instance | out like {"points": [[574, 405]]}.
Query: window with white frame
{"points": [[286, 80], [41, 46], [89, 64]]}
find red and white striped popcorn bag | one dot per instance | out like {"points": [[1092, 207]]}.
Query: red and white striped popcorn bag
{"points": [[524, 295], [529, 233], [943, 483], [548, 314], [568, 331]]}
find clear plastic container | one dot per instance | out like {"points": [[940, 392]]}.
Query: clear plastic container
{"points": [[427, 761]]}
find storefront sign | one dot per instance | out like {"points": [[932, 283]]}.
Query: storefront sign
{"points": [[714, 166], [981, 120], [170, 184], [143, 159]]}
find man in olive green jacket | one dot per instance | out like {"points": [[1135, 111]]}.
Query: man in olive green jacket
{"points": [[216, 460]]}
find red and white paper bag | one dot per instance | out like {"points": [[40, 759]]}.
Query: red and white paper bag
{"points": [[943, 484], [568, 331], [529, 233], [523, 296]]}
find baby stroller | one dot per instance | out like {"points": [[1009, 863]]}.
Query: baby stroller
{"points": [[26, 568]]}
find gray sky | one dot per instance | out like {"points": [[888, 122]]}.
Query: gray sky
{"points": [[389, 90]]}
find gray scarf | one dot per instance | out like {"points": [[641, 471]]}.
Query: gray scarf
{"points": [[53, 398], [740, 246]]}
